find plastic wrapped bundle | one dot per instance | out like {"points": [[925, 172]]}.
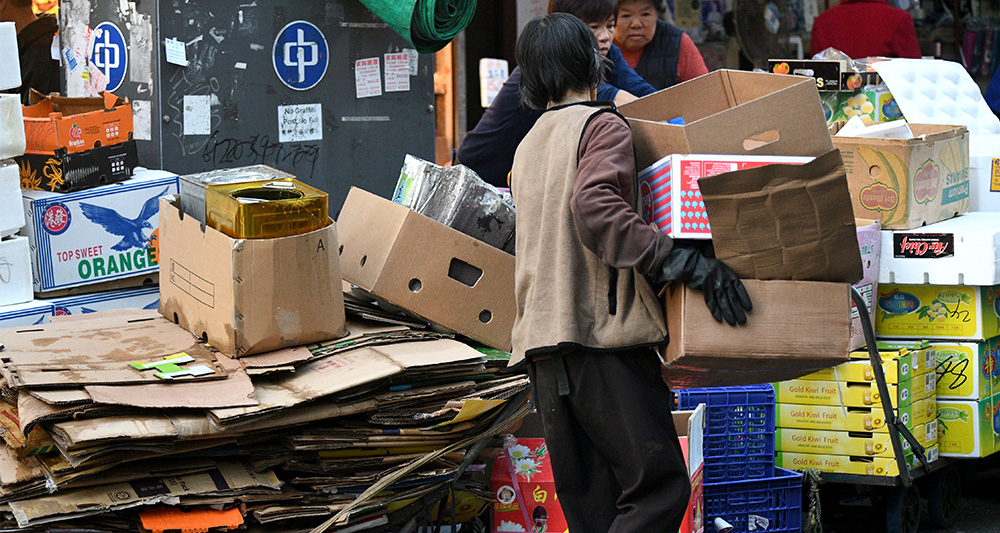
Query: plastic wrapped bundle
{"points": [[10, 74], [429, 24], [11, 126], [457, 197]]}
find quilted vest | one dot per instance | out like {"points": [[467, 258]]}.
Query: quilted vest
{"points": [[658, 63]]}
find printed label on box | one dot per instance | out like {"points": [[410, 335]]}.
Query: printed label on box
{"points": [[938, 311], [94, 235], [995, 176], [923, 245]]}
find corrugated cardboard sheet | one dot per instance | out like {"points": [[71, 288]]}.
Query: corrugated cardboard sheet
{"points": [[790, 222]]}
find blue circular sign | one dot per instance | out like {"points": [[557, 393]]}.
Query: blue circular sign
{"points": [[109, 53], [301, 55]]}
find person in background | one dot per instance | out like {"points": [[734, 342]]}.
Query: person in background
{"points": [[992, 94], [866, 28], [34, 47], [658, 51], [587, 320], [489, 148]]}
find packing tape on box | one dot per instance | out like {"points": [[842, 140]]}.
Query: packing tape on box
{"points": [[11, 126], [10, 74]]}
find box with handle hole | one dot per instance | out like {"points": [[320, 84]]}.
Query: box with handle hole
{"points": [[427, 268]]}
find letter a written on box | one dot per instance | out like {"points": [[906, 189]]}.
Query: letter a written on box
{"points": [[320, 246]]}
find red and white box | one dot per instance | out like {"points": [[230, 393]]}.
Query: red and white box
{"points": [[669, 196]]}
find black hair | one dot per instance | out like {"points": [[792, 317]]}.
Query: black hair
{"points": [[589, 11], [659, 5], [557, 53]]}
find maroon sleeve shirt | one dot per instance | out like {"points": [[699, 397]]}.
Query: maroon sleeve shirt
{"points": [[607, 223]]}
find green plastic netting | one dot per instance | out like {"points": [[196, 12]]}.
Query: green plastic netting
{"points": [[427, 24]]}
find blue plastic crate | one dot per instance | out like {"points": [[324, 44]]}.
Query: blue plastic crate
{"points": [[739, 430], [773, 504]]}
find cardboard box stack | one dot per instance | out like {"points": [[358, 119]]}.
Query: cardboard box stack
{"points": [[941, 283], [801, 320], [76, 143], [833, 420], [15, 266], [252, 390]]}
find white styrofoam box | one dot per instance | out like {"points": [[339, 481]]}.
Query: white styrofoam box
{"points": [[984, 173], [142, 298], [29, 313], [964, 250], [10, 63], [95, 235], [15, 271], [934, 91], [12, 142], [11, 208]]}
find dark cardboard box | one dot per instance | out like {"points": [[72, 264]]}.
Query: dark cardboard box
{"points": [[76, 171]]}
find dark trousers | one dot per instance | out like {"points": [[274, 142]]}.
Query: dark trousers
{"points": [[615, 457]]}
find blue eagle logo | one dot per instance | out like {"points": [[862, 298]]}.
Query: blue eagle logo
{"points": [[130, 230]]}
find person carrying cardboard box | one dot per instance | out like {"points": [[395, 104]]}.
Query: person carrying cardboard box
{"points": [[588, 321]]}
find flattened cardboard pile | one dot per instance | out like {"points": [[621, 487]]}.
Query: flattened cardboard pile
{"points": [[121, 420]]}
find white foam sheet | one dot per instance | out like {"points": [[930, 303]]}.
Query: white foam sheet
{"points": [[976, 260], [934, 91], [10, 65], [11, 206], [15, 271], [11, 126], [984, 163]]}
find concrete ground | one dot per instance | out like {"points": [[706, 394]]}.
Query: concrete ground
{"points": [[979, 508]]}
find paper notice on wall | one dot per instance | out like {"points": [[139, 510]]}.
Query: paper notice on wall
{"points": [[414, 60], [142, 120], [492, 74], [528, 10], [397, 72], [302, 122], [367, 78], [197, 114], [176, 52]]}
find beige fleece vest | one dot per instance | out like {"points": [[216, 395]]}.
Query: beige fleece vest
{"points": [[566, 295]]}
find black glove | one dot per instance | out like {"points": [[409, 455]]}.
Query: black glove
{"points": [[725, 295]]}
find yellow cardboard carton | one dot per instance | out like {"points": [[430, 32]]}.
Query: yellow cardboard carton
{"points": [[965, 427], [967, 370], [849, 443], [919, 356], [837, 418], [937, 311], [853, 394], [844, 464]]}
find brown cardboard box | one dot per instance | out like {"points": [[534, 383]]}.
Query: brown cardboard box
{"points": [[794, 325], [908, 183], [427, 268], [249, 296], [785, 221], [730, 112]]}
